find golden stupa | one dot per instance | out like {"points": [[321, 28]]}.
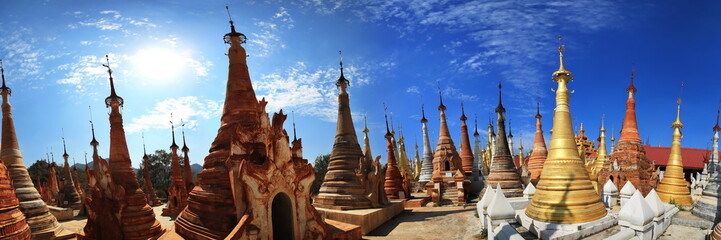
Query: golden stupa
{"points": [[564, 193], [673, 187]]}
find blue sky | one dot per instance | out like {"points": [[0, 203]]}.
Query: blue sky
{"points": [[169, 57]]}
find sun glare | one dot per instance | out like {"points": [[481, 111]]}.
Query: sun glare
{"points": [[158, 63]]}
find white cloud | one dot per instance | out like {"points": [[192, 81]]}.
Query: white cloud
{"points": [[86, 72], [307, 92], [268, 39], [113, 20], [190, 109], [413, 89]]}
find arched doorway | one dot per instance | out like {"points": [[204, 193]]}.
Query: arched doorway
{"points": [[447, 166], [282, 214]]}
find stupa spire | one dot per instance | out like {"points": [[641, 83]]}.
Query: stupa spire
{"points": [[341, 188], [366, 140], [394, 180], [539, 154], [503, 169], [187, 171], [601, 154], [629, 131], [43, 225], [466, 151], [563, 172], [178, 191], [148, 189], [70, 197], [673, 187], [427, 161]]}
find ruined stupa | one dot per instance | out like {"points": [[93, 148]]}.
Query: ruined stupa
{"points": [[177, 193]]}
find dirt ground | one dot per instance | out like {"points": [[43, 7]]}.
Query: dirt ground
{"points": [[430, 223]]}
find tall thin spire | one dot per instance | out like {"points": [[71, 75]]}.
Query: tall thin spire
{"points": [[441, 107], [113, 96], [187, 171], [182, 130], [295, 135], [564, 173], [601, 153], [145, 153], [673, 187], [172, 130], [342, 80], [4, 87], [475, 126]]}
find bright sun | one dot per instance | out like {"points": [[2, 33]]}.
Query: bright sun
{"points": [[158, 63]]}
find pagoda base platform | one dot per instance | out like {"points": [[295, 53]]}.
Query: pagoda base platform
{"points": [[61, 214], [367, 219], [341, 230], [565, 231], [416, 202]]}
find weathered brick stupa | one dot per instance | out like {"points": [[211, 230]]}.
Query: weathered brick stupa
{"points": [[68, 197], [370, 173], [341, 189], [12, 221], [187, 172], [123, 195], [564, 193], [673, 188], [177, 193], [43, 225], [468, 163], [148, 189], [53, 184], [393, 185], [707, 206], [427, 162], [539, 152], [445, 187], [601, 156], [251, 186], [629, 154], [503, 171]]}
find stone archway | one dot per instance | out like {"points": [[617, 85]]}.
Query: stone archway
{"points": [[447, 166], [282, 217]]}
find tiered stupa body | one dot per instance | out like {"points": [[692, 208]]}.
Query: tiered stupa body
{"points": [[503, 170], [707, 206], [564, 194], [466, 151], [148, 189], [177, 193], [12, 221], [341, 188], [427, 162], [601, 157], [673, 188], [447, 167], [68, 197], [393, 185], [43, 225], [252, 184], [539, 153], [629, 154], [137, 220], [187, 172]]}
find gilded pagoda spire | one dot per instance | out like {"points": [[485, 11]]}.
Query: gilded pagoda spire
{"points": [[43, 225], [564, 193], [366, 140], [341, 188], [503, 169], [539, 154], [427, 162], [601, 154], [673, 187], [187, 172], [466, 152], [417, 166]]}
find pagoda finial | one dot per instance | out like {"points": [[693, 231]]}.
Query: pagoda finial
{"points": [[365, 123], [499, 108], [65, 149], [631, 88], [538, 109], [677, 123], [423, 114], [393, 130], [294, 132], [718, 112], [86, 160], [113, 96], [342, 81], [441, 107], [145, 154], [561, 68], [510, 132], [603, 122], [4, 88], [172, 128], [94, 142], [475, 120], [233, 33], [182, 129], [463, 112], [385, 114]]}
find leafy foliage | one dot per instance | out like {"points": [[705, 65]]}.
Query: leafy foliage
{"points": [[320, 166], [159, 168]]}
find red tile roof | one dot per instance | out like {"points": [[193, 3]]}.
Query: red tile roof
{"points": [[691, 157]]}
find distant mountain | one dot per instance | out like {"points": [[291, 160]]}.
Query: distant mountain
{"points": [[196, 168]]}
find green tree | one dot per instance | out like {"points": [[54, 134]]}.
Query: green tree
{"points": [[320, 167], [159, 168], [39, 169]]}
